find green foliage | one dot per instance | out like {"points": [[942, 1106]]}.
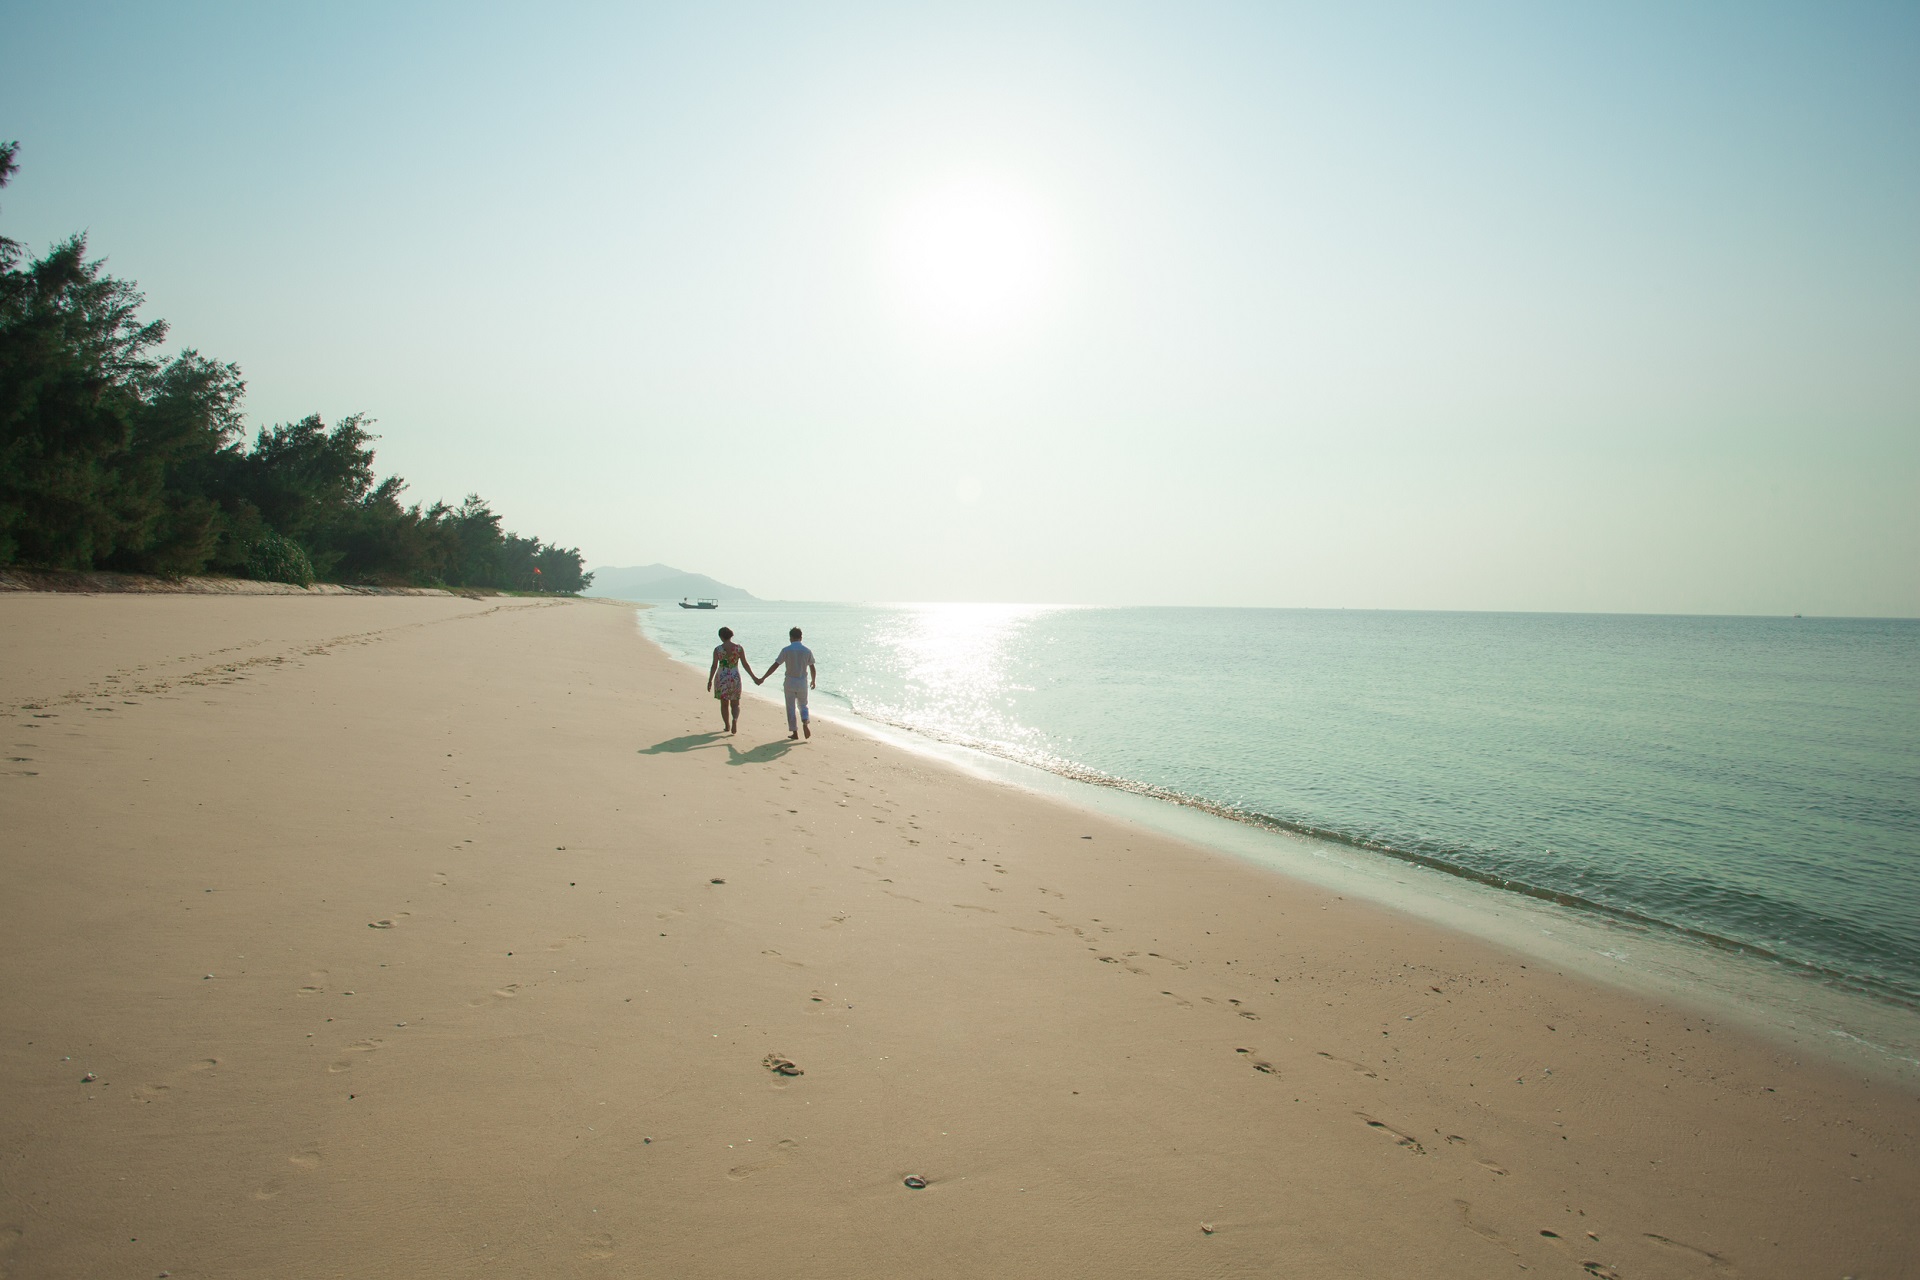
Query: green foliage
{"points": [[111, 457], [273, 558], [91, 423], [10, 250]]}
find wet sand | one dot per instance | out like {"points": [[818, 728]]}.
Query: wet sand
{"points": [[431, 936]]}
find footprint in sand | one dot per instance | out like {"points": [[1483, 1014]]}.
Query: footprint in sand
{"points": [[1692, 1252], [156, 1091], [1184, 1004], [389, 922], [1407, 1140], [1498, 1170], [1481, 1229], [1058, 923], [779, 1153], [598, 1246], [1362, 1068], [1248, 1014], [507, 992], [339, 1065], [304, 1161]]}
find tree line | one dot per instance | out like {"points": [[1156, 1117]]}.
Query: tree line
{"points": [[115, 457]]}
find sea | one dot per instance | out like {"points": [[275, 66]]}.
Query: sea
{"points": [[1721, 808]]}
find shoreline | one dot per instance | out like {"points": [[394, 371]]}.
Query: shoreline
{"points": [[105, 582], [432, 935], [1850, 1020]]}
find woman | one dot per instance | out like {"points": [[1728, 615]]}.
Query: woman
{"points": [[723, 678]]}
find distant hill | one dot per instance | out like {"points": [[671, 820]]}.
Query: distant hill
{"points": [[659, 582]]}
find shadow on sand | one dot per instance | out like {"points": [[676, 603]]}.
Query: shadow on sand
{"points": [[689, 742], [762, 754]]}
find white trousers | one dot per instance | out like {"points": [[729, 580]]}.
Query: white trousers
{"points": [[796, 697]]}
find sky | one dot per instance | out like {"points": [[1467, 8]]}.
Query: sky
{"points": [[1584, 307]]}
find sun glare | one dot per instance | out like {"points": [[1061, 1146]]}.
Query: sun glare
{"points": [[972, 256]]}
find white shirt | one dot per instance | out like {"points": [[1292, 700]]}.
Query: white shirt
{"points": [[799, 660]]}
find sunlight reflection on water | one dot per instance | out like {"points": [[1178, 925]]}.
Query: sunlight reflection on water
{"points": [[955, 671]]}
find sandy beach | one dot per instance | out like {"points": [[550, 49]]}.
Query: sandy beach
{"points": [[431, 936]]}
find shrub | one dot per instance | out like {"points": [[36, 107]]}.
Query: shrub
{"points": [[273, 558]]}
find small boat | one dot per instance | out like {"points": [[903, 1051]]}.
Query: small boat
{"points": [[699, 604]]}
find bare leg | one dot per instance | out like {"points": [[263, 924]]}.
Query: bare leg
{"points": [[735, 726], [726, 719]]}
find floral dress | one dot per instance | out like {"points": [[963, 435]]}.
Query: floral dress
{"points": [[726, 681]]}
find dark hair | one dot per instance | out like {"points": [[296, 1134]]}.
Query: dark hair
{"points": [[726, 633], [794, 634]]}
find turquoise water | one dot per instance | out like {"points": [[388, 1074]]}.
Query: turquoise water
{"points": [[1751, 782]]}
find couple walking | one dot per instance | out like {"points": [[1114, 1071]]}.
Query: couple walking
{"points": [[723, 678]]}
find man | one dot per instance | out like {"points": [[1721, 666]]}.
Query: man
{"points": [[801, 675]]}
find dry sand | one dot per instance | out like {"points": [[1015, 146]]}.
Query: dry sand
{"points": [[438, 937]]}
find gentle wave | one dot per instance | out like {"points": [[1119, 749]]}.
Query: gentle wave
{"points": [[1744, 783], [1433, 860]]}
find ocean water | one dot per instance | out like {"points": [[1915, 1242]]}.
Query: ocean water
{"points": [[1749, 784]]}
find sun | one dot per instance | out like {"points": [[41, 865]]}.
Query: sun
{"points": [[971, 255]]}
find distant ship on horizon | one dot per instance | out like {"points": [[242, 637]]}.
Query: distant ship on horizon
{"points": [[699, 604]]}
